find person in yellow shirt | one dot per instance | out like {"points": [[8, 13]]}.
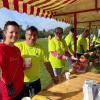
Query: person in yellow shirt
{"points": [[70, 40], [58, 52], [93, 41], [96, 39], [33, 55], [82, 43], [87, 43]]}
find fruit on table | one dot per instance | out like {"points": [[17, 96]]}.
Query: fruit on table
{"points": [[78, 66], [83, 60], [97, 60], [91, 57], [91, 53], [95, 68], [86, 55]]}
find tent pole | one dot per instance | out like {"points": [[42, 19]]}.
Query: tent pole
{"points": [[75, 33], [96, 4]]}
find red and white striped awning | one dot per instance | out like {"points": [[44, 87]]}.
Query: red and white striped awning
{"points": [[26, 6], [62, 10], [43, 8]]}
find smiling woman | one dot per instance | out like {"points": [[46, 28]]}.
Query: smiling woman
{"points": [[11, 64], [11, 33]]}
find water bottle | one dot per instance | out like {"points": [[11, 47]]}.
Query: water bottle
{"points": [[31, 92]]}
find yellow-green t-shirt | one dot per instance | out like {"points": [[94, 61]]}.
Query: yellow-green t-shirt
{"points": [[36, 54], [87, 43], [70, 43], [60, 47], [81, 41], [94, 38], [98, 40]]}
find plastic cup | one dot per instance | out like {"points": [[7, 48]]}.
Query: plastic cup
{"points": [[67, 75]]}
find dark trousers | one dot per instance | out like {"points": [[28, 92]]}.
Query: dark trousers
{"points": [[28, 87]]}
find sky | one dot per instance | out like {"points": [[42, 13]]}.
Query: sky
{"points": [[24, 20]]}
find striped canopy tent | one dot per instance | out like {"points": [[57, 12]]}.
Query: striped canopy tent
{"points": [[83, 12], [80, 13]]}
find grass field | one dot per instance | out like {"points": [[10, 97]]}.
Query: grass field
{"points": [[44, 75]]}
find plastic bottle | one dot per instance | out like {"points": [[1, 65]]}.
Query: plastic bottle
{"points": [[31, 92]]}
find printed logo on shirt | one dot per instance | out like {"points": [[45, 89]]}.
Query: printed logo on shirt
{"points": [[13, 59], [28, 62]]}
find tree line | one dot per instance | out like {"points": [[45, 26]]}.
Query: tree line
{"points": [[44, 33]]}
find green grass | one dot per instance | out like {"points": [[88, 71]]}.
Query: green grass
{"points": [[44, 76]]}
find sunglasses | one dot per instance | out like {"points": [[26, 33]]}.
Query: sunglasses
{"points": [[59, 33]]}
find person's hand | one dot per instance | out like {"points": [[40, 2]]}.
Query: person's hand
{"points": [[74, 58], [55, 80], [64, 57]]}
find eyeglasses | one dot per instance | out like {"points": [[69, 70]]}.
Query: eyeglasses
{"points": [[60, 33]]}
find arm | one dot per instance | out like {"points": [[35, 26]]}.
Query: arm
{"points": [[70, 57], [63, 57], [59, 56], [50, 70], [68, 53]]}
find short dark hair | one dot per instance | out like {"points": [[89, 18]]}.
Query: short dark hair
{"points": [[32, 28], [10, 23], [13, 23], [58, 29], [86, 30]]}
